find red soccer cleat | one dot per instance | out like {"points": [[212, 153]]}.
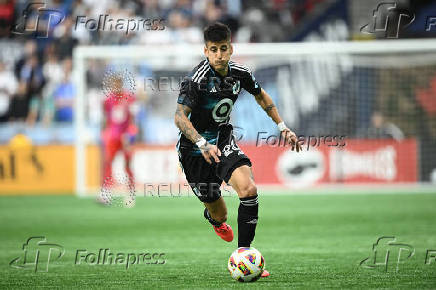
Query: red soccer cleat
{"points": [[224, 231], [265, 273]]}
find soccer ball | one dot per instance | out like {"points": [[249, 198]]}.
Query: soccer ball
{"points": [[246, 264]]}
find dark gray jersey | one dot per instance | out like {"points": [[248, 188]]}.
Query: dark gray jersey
{"points": [[211, 98]]}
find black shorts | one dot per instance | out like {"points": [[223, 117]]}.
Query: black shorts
{"points": [[205, 179]]}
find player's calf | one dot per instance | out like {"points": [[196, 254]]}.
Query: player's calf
{"points": [[243, 183], [247, 220], [216, 213], [215, 220], [223, 230]]}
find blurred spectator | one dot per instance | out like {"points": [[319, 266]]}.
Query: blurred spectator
{"points": [[150, 9], [19, 106], [8, 86], [42, 89], [53, 74], [256, 26], [52, 71], [107, 37], [187, 17], [61, 5], [301, 8], [64, 95], [95, 73], [29, 51], [183, 30], [380, 129], [65, 42], [179, 29], [100, 6], [80, 32], [31, 74], [6, 16], [213, 12]]}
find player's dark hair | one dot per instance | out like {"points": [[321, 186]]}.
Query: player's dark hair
{"points": [[217, 32]]}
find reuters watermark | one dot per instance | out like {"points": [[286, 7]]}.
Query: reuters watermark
{"points": [[186, 189], [205, 84], [125, 194], [263, 139]]}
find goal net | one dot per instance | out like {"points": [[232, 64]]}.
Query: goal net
{"points": [[365, 113]]}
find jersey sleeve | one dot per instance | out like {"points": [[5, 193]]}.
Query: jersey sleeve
{"points": [[250, 84], [188, 94]]}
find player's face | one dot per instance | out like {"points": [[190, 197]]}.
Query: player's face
{"points": [[118, 85], [218, 54]]}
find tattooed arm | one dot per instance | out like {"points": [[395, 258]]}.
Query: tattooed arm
{"points": [[267, 104], [184, 124]]}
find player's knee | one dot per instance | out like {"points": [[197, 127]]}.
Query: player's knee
{"points": [[247, 191]]}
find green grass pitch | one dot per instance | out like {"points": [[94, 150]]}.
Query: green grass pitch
{"points": [[314, 241]]}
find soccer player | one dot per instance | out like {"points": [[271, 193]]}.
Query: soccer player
{"points": [[207, 149], [119, 131]]}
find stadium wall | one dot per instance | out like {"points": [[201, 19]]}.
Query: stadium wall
{"points": [[49, 169], [44, 169]]}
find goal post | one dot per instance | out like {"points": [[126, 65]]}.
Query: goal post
{"points": [[320, 88]]}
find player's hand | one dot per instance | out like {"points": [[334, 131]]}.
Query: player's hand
{"points": [[210, 152], [291, 138]]}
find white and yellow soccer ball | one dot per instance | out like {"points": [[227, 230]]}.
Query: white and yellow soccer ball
{"points": [[246, 264]]}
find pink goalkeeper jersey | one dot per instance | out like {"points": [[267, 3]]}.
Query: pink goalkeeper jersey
{"points": [[118, 115]]}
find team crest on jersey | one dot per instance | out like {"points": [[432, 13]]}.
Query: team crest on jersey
{"points": [[236, 87], [222, 110]]}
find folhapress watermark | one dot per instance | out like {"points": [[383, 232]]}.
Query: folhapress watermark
{"points": [[37, 20], [388, 20], [104, 22], [305, 141], [388, 254], [430, 24], [107, 257], [38, 255]]}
